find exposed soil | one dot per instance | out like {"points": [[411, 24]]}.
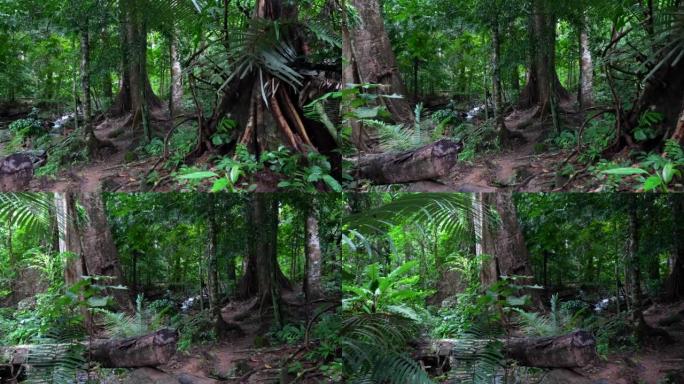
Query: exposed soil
{"points": [[655, 361], [522, 167], [245, 356], [114, 166]]}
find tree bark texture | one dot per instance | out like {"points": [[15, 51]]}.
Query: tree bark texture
{"points": [[586, 68], [573, 350], [150, 350], [375, 61], [314, 262], [176, 94], [432, 161], [543, 86]]}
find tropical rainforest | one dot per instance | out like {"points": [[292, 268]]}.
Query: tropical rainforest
{"points": [[522, 288], [325, 95], [170, 288]]}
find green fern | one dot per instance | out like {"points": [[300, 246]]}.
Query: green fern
{"points": [[373, 349], [143, 321]]}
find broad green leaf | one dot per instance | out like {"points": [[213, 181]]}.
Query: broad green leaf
{"points": [[626, 171], [198, 175]]}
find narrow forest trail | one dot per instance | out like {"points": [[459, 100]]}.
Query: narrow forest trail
{"points": [[655, 361], [244, 355], [111, 166], [520, 167]]}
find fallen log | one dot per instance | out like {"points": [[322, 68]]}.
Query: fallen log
{"points": [[573, 350], [150, 350], [430, 162]]}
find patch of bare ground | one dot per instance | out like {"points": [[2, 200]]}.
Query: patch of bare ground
{"points": [[245, 356], [113, 168], [520, 167], [656, 361]]}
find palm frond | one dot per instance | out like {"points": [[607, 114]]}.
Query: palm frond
{"points": [[447, 212]]}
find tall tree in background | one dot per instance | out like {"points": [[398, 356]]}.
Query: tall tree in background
{"points": [[674, 286], [586, 90], [135, 95], [503, 242], [262, 274], [312, 282], [634, 269], [371, 59], [543, 88]]}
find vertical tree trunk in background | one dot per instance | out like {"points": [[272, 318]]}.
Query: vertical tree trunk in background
{"points": [[504, 244], [136, 94], [586, 67], [213, 283], [674, 286], [504, 134], [375, 60], [313, 288], [262, 274], [107, 91], [359, 136], [634, 269], [85, 80], [99, 251], [678, 135], [176, 94], [543, 88], [69, 240]]}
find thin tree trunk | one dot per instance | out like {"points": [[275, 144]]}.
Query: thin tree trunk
{"points": [[586, 68], [504, 134], [634, 269], [314, 261], [674, 286], [176, 93]]}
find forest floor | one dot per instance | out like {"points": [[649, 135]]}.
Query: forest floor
{"points": [[521, 167], [244, 356], [112, 168], [655, 361]]}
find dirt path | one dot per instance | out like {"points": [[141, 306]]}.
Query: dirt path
{"points": [[654, 362], [244, 356], [516, 169], [111, 166]]}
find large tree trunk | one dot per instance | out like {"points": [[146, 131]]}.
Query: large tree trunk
{"points": [[312, 284], [432, 161], [350, 77], [573, 350], [543, 88], [99, 251], [176, 94], [136, 95], [505, 244], [586, 93], [262, 274], [375, 61], [149, 350], [678, 135], [269, 111]]}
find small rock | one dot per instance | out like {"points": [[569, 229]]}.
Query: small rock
{"points": [[564, 376], [186, 378], [150, 376]]}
